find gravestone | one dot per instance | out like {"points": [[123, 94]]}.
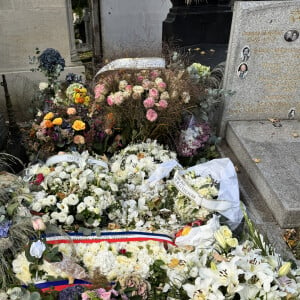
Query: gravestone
{"points": [[259, 121]]}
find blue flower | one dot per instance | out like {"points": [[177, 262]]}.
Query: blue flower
{"points": [[4, 227], [50, 61]]}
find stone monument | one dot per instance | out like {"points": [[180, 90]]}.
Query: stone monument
{"points": [[259, 122]]}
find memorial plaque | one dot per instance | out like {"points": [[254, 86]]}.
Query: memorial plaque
{"points": [[263, 61]]}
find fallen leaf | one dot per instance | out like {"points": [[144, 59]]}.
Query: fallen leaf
{"points": [[197, 49], [256, 160], [212, 50], [202, 52], [295, 134], [274, 120], [237, 169]]}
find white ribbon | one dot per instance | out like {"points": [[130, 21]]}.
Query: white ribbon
{"points": [[185, 189], [134, 63], [76, 159]]}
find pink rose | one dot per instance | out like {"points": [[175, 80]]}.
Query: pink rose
{"points": [[140, 78], [151, 115], [99, 90], [149, 102], [71, 111], [38, 223], [105, 295], [161, 86], [154, 73], [128, 88], [154, 93], [110, 100], [85, 296], [163, 103], [146, 84]]}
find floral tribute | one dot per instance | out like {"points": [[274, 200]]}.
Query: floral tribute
{"points": [[187, 254]]}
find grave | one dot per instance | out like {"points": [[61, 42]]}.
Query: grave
{"points": [[259, 122]]}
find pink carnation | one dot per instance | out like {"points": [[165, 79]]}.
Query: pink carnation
{"points": [[153, 93], [99, 90], [163, 103], [128, 88], [146, 84], [161, 86], [110, 100], [154, 73], [149, 102], [151, 115]]}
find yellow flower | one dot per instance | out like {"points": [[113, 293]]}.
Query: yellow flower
{"points": [[46, 124], [204, 192], [186, 230], [232, 242], [213, 266], [83, 90], [284, 269], [226, 232], [174, 263], [78, 125], [220, 239], [57, 121], [49, 116], [86, 100]]}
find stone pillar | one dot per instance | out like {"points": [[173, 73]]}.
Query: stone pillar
{"points": [[74, 54]]}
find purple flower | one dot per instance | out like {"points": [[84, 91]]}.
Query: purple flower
{"points": [[4, 227]]}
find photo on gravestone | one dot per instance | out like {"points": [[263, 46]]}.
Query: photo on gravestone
{"points": [[260, 121]]}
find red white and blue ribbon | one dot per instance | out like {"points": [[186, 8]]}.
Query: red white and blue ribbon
{"points": [[60, 284], [110, 237]]}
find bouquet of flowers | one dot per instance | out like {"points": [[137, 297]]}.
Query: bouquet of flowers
{"points": [[146, 104]]}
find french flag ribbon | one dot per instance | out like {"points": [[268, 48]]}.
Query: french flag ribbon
{"points": [[60, 285], [110, 237]]}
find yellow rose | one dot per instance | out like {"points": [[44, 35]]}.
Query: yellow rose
{"points": [[232, 242], [226, 232], [49, 116], [57, 121], [78, 125]]}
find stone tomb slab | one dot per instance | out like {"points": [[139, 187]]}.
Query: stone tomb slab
{"points": [[276, 174], [263, 61]]}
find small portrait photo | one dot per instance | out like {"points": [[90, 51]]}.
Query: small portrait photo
{"points": [[291, 35], [242, 70], [245, 54]]}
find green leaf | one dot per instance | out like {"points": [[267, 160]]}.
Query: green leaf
{"points": [[11, 208]]}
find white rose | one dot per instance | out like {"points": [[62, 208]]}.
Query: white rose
{"points": [[63, 207], [72, 199], [70, 220], [51, 199], [36, 206], [89, 201], [62, 217], [98, 191], [37, 249], [113, 187], [45, 218], [64, 175], [81, 207]]}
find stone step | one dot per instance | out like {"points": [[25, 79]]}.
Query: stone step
{"points": [[276, 172]]}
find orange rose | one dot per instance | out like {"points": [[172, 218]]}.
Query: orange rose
{"points": [[71, 111], [79, 98], [49, 116], [79, 139], [57, 121], [78, 125], [46, 124]]}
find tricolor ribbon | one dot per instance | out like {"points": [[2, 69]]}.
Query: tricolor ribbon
{"points": [[110, 237], [60, 285]]}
